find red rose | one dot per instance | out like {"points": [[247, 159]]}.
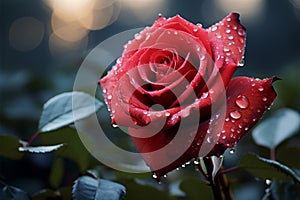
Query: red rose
{"points": [[173, 89]]}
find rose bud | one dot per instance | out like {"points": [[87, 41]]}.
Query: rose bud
{"points": [[173, 89]]}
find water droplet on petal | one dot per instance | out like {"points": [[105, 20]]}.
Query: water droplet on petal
{"points": [[109, 97], [241, 32], [235, 114], [242, 102], [227, 119], [264, 99], [241, 63], [196, 162], [246, 129], [260, 88], [224, 137], [147, 37], [154, 176], [226, 49], [204, 95], [175, 33], [232, 151], [230, 37], [209, 139], [214, 28], [228, 30], [137, 36], [195, 29], [167, 114], [228, 19]]}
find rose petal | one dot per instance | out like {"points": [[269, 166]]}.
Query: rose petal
{"points": [[228, 40], [247, 100]]}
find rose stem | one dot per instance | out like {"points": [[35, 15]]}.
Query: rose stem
{"points": [[33, 137], [225, 186], [272, 153], [214, 182]]}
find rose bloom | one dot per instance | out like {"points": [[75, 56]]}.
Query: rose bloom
{"points": [[173, 89]]}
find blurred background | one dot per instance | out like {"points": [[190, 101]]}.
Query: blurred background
{"points": [[43, 43]]}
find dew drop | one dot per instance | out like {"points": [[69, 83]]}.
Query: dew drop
{"points": [[246, 129], [104, 91], [241, 63], [219, 36], [109, 97], [235, 114], [137, 36], [223, 131], [196, 162], [260, 88], [177, 168], [242, 102], [214, 28], [165, 176], [232, 151], [160, 15], [195, 29], [205, 95], [268, 182], [226, 49], [227, 119], [115, 125], [167, 114], [209, 139], [224, 137], [175, 33], [211, 91], [264, 99], [147, 37], [230, 37], [154, 176], [228, 30], [228, 19], [241, 32]]}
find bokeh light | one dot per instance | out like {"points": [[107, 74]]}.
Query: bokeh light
{"points": [[249, 9], [71, 20], [142, 10], [26, 33]]}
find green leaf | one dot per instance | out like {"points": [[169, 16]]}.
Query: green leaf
{"points": [[41, 149], [88, 188], [267, 169], [13, 193], [73, 149], [281, 190], [57, 173], [9, 147], [195, 188], [282, 125], [59, 110]]}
